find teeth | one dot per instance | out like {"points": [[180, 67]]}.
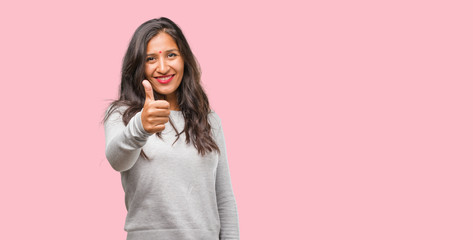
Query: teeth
{"points": [[164, 78]]}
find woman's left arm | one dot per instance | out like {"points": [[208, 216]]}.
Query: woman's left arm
{"points": [[227, 209]]}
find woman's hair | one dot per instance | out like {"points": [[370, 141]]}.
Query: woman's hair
{"points": [[191, 97]]}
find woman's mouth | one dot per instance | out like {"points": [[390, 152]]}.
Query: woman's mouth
{"points": [[165, 79]]}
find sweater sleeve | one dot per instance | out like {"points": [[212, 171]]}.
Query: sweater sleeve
{"points": [[123, 143], [227, 209]]}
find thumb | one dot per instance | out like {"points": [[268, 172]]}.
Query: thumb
{"points": [[148, 91]]}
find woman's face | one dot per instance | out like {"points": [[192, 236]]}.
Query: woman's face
{"points": [[164, 65]]}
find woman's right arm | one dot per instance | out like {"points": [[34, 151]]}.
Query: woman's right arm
{"points": [[123, 143]]}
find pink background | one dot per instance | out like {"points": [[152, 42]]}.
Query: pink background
{"points": [[343, 120]]}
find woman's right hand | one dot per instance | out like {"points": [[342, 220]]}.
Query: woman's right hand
{"points": [[155, 112]]}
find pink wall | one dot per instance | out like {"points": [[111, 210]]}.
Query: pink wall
{"points": [[344, 120]]}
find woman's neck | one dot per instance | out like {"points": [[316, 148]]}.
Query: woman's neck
{"points": [[172, 99]]}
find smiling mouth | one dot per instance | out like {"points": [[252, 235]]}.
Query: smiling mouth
{"points": [[164, 79]]}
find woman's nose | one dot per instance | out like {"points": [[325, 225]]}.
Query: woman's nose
{"points": [[163, 66]]}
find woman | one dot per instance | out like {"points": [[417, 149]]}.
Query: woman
{"points": [[167, 144]]}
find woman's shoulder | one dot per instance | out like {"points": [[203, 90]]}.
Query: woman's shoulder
{"points": [[214, 118], [115, 108], [215, 121], [114, 112]]}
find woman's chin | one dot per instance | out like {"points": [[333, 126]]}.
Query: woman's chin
{"points": [[167, 94]]}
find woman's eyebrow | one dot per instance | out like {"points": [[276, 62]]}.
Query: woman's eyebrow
{"points": [[170, 50]]}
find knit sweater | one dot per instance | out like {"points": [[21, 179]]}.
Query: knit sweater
{"points": [[175, 194]]}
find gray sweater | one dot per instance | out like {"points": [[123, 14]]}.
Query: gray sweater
{"points": [[177, 194]]}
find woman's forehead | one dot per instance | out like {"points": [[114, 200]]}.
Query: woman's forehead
{"points": [[162, 42]]}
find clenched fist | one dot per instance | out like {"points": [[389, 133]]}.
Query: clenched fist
{"points": [[155, 112]]}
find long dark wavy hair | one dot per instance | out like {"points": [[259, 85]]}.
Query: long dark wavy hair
{"points": [[191, 97]]}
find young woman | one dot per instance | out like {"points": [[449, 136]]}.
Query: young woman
{"points": [[167, 144]]}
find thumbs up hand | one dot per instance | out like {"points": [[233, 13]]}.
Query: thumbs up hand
{"points": [[155, 112]]}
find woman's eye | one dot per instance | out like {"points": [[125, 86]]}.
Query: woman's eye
{"points": [[172, 55], [149, 59]]}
